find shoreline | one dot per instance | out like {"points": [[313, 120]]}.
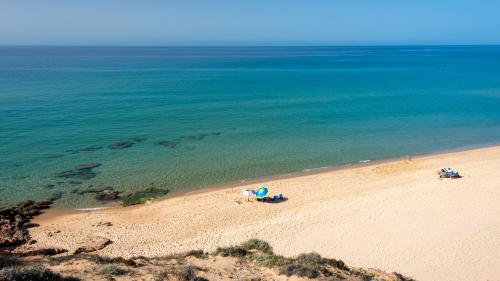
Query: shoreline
{"points": [[55, 211], [394, 216]]}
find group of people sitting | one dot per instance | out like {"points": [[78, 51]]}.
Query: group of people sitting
{"points": [[274, 199], [448, 173]]}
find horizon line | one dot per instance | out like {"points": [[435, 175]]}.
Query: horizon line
{"points": [[246, 46]]}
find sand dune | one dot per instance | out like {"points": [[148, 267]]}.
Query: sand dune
{"points": [[395, 216]]}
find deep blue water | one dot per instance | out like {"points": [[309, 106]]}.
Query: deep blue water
{"points": [[243, 112]]}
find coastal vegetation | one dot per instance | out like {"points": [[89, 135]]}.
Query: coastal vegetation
{"points": [[252, 260]]}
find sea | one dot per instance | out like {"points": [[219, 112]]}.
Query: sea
{"points": [[182, 118]]}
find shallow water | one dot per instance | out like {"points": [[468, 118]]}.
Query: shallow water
{"points": [[203, 116]]}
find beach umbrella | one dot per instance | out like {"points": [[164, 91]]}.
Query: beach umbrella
{"points": [[262, 191], [248, 193]]}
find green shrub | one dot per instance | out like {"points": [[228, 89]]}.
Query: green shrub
{"points": [[7, 259], [32, 274], [196, 253], [186, 273], [259, 245], [299, 270], [112, 269], [94, 258], [305, 265], [338, 264], [235, 251], [310, 260], [271, 261]]}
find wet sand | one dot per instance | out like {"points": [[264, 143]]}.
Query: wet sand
{"points": [[395, 216]]}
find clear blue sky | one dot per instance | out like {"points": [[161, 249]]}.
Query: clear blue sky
{"points": [[248, 22]]}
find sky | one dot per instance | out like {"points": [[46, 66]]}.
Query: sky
{"points": [[248, 22]]}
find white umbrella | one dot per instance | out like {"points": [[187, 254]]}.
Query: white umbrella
{"points": [[248, 193]]}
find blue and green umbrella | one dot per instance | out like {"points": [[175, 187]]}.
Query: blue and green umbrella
{"points": [[261, 192]]}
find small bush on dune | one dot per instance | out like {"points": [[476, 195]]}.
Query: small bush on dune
{"points": [[31, 274], [299, 270], [94, 258], [305, 265], [259, 245], [337, 264], [103, 259], [271, 261], [196, 253], [236, 251], [9, 260], [112, 269], [129, 262], [187, 273], [311, 260]]}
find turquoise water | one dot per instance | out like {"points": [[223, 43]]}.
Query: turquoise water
{"points": [[243, 112]]}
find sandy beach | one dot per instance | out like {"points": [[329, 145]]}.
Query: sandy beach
{"points": [[394, 216]]}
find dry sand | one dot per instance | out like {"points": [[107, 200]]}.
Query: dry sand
{"points": [[395, 216]]}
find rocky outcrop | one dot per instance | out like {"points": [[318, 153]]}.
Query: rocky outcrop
{"points": [[44, 252], [14, 222], [92, 244]]}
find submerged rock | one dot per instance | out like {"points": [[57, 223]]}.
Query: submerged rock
{"points": [[139, 197], [85, 149], [75, 182], [83, 174], [49, 186], [189, 137], [139, 139], [91, 148], [82, 171], [121, 145], [55, 156], [56, 196], [88, 166], [201, 136], [126, 143], [167, 143], [91, 189], [107, 195], [65, 174]]}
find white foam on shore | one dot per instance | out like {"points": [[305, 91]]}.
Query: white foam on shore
{"points": [[315, 169], [92, 209], [365, 161]]}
